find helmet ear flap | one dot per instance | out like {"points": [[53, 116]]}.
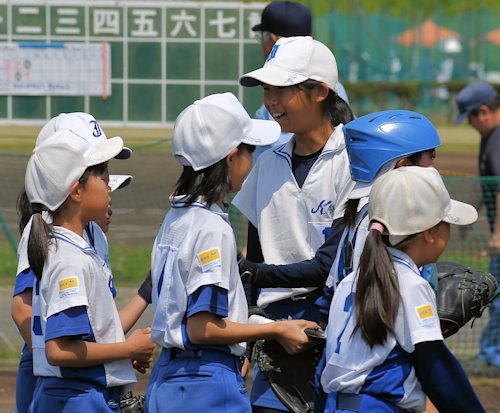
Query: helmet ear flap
{"points": [[374, 140]]}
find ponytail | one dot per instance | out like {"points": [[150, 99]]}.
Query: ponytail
{"points": [[38, 241], [377, 296], [24, 211]]}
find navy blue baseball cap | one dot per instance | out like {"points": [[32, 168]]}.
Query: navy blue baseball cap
{"points": [[472, 97], [285, 18]]}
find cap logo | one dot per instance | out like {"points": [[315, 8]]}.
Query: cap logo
{"points": [[272, 55], [97, 130]]}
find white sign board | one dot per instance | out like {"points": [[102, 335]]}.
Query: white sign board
{"points": [[57, 69]]}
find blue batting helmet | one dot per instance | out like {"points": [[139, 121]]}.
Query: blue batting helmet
{"points": [[375, 139]]}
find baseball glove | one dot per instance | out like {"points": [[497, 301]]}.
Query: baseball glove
{"points": [[463, 294], [132, 404], [291, 377]]}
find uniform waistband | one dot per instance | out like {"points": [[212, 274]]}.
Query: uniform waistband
{"points": [[110, 393], [355, 402], [205, 355]]}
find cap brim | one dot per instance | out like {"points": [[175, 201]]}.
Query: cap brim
{"points": [[105, 150], [119, 181], [460, 213], [264, 132], [257, 27], [126, 153], [273, 77], [460, 118]]}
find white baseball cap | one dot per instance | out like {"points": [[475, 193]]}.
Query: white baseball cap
{"points": [[83, 124], [59, 161], [210, 128], [412, 199], [293, 60]]}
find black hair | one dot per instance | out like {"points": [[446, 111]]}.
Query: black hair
{"points": [[336, 109], [42, 233], [212, 183]]}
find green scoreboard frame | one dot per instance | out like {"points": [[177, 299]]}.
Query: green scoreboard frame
{"points": [[164, 55]]}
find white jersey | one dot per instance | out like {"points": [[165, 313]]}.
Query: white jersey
{"points": [[293, 221], [195, 247], [75, 276], [351, 365]]}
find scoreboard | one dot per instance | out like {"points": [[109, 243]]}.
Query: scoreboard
{"points": [[133, 62]]}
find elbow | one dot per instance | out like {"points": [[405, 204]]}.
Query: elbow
{"points": [[54, 354]]}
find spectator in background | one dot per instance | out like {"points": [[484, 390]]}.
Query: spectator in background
{"points": [[283, 19], [480, 104]]}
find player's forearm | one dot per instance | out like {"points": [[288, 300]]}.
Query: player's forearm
{"points": [[131, 312], [21, 314], [308, 273], [69, 352], [206, 328]]}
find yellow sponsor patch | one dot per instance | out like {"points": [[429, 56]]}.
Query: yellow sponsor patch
{"points": [[209, 259], [68, 286], [425, 313]]}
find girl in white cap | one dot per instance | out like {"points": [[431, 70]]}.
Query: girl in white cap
{"points": [[385, 350], [296, 190], [85, 126], [200, 308], [79, 348]]}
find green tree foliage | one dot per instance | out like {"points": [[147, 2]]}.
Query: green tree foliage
{"points": [[399, 7]]}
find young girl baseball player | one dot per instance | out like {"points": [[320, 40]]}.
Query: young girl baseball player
{"points": [[79, 348], [385, 349], [200, 308], [94, 234], [296, 190]]}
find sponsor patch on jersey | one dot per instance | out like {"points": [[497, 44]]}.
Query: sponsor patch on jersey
{"points": [[425, 313], [68, 286], [209, 259]]}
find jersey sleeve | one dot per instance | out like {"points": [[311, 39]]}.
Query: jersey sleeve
{"points": [[25, 280], [71, 322], [66, 286], [209, 298], [421, 320], [214, 253]]}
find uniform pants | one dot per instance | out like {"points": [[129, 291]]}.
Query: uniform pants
{"points": [[58, 395], [205, 381], [25, 381]]}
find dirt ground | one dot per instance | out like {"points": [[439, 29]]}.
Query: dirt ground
{"points": [[487, 389]]}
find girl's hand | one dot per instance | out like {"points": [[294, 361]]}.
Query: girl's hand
{"points": [[291, 335], [141, 346]]}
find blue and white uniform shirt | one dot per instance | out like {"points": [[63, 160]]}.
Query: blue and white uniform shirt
{"points": [[384, 371], [270, 196], [75, 300], [194, 269]]}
